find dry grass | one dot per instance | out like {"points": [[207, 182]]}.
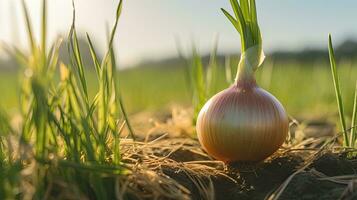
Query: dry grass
{"points": [[168, 164], [150, 162]]}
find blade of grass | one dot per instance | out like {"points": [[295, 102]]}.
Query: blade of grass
{"points": [[200, 92], [110, 57], [338, 91], [39, 116], [5, 127], [44, 33], [116, 151], [112, 35], [131, 130], [74, 47], [53, 57], [29, 27], [79, 62], [212, 69], [228, 70], [94, 55], [113, 87], [354, 120]]}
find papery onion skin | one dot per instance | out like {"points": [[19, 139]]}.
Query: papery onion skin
{"points": [[243, 123]]}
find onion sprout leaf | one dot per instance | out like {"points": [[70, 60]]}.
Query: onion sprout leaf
{"points": [[246, 22], [235, 23], [245, 8]]}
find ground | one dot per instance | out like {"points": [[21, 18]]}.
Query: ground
{"points": [[165, 166]]}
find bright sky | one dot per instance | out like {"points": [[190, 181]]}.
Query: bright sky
{"points": [[148, 27]]}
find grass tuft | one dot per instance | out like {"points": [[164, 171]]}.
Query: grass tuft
{"points": [[201, 80], [64, 132], [349, 141]]}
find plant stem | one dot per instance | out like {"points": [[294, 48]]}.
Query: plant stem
{"points": [[245, 72], [250, 61]]}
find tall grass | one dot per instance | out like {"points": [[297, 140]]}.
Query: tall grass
{"points": [[198, 83], [65, 135], [349, 137]]}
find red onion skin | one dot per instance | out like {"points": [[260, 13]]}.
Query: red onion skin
{"points": [[243, 123]]}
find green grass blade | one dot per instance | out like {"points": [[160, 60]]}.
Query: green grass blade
{"points": [[76, 103], [116, 151], [94, 55], [29, 27], [198, 75], [338, 91], [88, 143], [102, 100], [114, 86], [39, 116], [110, 58], [354, 120], [44, 28], [212, 69], [74, 47], [112, 35], [126, 118], [79, 62], [200, 93], [53, 57], [228, 70], [5, 127], [119, 9]]}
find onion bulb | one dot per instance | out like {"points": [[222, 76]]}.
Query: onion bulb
{"points": [[243, 123]]}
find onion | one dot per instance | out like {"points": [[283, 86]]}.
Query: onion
{"points": [[243, 122]]}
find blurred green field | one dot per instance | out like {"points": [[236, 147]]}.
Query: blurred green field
{"points": [[306, 90]]}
